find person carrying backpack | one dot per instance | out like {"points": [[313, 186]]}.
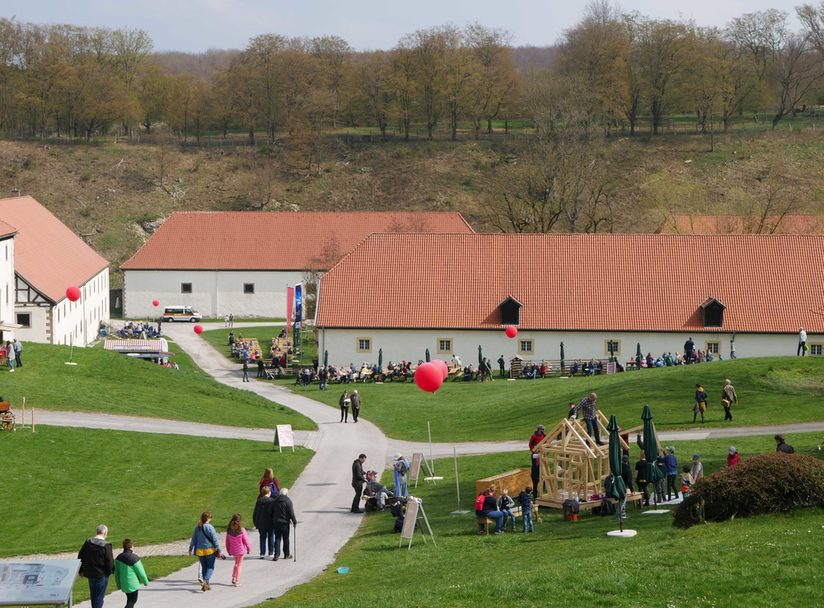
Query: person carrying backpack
{"points": [[400, 471]]}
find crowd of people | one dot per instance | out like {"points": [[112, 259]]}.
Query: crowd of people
{"points": [[140, 330], [11, 354]]}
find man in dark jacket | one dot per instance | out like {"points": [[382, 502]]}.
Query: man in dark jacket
{"points": [[262, 518], [358, 479], [97, 564], [283, 513], [355, 405]]}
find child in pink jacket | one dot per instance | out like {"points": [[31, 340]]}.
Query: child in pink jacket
{"points": [[237, 545]]}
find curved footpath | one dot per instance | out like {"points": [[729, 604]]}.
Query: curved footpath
{"points": [[322, 494]]}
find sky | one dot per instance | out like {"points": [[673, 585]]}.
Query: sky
{"points": [[198, 25]]}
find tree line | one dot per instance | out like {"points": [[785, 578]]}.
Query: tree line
{"points": [[610, 70]]}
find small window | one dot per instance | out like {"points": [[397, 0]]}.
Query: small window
{"points": [[24, 319], [248, 288], [816, 349], [364, 345], [185, 288], [614, 346], [526, 347], [444, 345], [713, 347]]}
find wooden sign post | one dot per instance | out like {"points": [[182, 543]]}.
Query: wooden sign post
{"points": [[414, 512], [283, 437]]}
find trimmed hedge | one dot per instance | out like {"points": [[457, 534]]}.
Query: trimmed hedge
{"points": [[768, 483]]}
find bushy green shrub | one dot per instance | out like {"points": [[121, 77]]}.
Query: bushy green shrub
{"points": [[767, 483]]}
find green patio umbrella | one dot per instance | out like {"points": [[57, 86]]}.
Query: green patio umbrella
{"points": [[427, 355], [562, 357], [638, 356], [380, 360], [653, 474], [480, 355], [614, 485], [326, 358]]}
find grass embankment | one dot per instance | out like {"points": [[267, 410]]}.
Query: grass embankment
{"points": [[575, 564], [219, 338], [60, 483], [104, 381], [771, 391]]}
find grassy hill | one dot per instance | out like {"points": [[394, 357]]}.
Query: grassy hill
{"points": [[104, 381], [770, 391], [760, 562], [111, 192]]}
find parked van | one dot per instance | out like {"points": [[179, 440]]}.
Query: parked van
{"points": [[181, 313]]}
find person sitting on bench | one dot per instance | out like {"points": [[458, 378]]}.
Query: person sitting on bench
{"points": [[376, 489]]}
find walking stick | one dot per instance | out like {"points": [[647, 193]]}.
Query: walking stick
{"points": [[295, 542]]}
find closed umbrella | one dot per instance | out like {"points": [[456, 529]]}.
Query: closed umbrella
{"points": [[615, 486], [480, 355], [427, 355], [326, 358], [562, 357], [653, 473], [380, 360], [638, 356]]}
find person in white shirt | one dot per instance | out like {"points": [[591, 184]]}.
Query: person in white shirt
{"points": [[802, 343]]}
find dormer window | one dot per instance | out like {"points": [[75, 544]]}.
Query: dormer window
{"points": [[510, 311], [713, 311]]}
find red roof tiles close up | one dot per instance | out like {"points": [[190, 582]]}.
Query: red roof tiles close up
{"points": [[47, 254], [578, 282], [264, 240]]}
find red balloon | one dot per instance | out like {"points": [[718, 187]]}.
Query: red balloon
{"points": [[428, 377], [155, 303], [73, 293], [441, 365], [511, 331], [198, 329]]}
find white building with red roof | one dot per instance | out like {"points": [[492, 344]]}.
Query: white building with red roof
{"points": [[8, 325], [49, 258], [241, 262], [453, 293]]}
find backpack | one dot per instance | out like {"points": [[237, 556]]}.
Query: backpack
{"points": [[479, 503]]}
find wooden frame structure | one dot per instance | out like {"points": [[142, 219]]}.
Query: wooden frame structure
{"points": [[571, 463]]}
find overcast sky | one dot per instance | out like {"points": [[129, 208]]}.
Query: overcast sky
{"points": [[198, 25]]}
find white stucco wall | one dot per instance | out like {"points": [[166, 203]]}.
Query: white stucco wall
{"points": [[412, 344], [7, 283], [71, 322], [215, 293]]}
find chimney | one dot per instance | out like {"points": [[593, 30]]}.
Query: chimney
{"points": [[15, 191]]}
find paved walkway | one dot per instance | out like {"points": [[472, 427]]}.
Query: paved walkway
{"points": [[322, 494]]}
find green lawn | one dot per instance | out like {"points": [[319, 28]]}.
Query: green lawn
{"points": [[150, 488], [219, 338], [575, 564], [771, 391], [103, 381]]}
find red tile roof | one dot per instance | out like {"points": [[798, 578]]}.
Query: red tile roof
{"points": [[743, 224], [47, 254], [263, 240], [578, 282], [6, 230]]}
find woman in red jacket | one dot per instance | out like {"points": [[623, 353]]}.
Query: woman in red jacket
{"points": [[535, 457]]}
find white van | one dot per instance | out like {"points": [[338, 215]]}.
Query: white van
{"points": [[181, 313]]}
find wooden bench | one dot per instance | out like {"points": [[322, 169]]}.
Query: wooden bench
{"points": [[486, 522], [588, 505]]}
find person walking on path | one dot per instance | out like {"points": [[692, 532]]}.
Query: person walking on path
{"points": [[270, 480], [18, 352], [728, 397], [590, 406], [262, 518], [535, 457], [237, 545], [231, 320], [245, 370], [206, 546], [129, 573], [700, 403], [358, 479], [344, 402], [802, 343], [283, 514], [97, 564], [782, 447], [356, 401]]}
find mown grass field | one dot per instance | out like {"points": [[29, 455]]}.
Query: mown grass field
{"points": [[760, 562], [60, 483], [103, 381], [770, 391]]}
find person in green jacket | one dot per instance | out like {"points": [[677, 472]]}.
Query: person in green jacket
{"points": [[129, 573]]}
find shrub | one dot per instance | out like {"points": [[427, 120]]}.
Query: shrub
{"points": [[768, 483]]}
